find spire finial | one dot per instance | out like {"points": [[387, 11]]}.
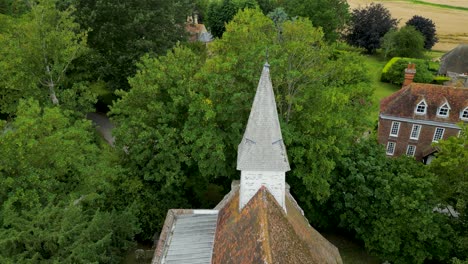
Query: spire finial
{"points": [[266, 58]]}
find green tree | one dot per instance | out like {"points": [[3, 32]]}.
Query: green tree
{"points": [[427, 29], [218, 14], [159, 143], [57, 193], [360, 34], [406, 42], [330, 15], [451, 166], [123, 31], [37, 50], [388, 203]]}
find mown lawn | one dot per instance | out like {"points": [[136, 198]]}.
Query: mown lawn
{"points": [[375, 65]]}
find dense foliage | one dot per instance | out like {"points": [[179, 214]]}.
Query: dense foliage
{"points": [[56, 192], [330, 15], [37, 49], [388, 203], [394, 71], [427, 29], [405, 42], [359, 32], [120, 32], [193, 112], [451, 166]]}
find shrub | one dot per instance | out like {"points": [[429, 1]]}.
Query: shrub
{"points": [[440, 79], [395, 72], [406, 42]]}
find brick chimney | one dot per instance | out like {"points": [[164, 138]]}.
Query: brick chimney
{"points": [[409, 74]]}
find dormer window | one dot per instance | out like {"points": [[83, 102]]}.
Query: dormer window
{"points": [[421, 108], [464, 114], [443, 111]]}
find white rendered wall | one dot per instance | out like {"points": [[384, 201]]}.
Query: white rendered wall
{"points": [[251, 181]]}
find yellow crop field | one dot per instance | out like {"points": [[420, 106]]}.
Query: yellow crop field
{"points": [[451, 24]]}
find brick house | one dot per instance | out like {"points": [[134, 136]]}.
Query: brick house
{"points": [[419, 114]]}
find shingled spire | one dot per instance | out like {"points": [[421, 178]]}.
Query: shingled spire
{"points": [[262, 147], [261, 156]]}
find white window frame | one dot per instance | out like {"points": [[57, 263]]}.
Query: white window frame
{"points": [[464, 112], [393, 144], [408, 150], [418, 131], [441, 134], [444, 106], [421, 103], [397, 128]]}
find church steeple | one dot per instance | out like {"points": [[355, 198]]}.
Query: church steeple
{"points": [[261, 156], [262, 146]]}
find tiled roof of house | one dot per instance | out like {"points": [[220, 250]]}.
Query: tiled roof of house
{"points": [[262, 147], [403, 102], [263, 233]]}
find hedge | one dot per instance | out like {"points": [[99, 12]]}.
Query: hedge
{"points": [[394, 71]]}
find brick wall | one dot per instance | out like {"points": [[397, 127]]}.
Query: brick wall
{"points": [[403, 140]]}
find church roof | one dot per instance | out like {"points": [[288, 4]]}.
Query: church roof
{"points": [[263, 233], [187, 237], [262, 147]]}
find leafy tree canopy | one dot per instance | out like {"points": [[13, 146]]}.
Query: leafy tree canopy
{"points": [[427, 29], [451, 166], [368, 25], [183, 118], [388, 203], [330, 15], [56, 196], [37, 50], [122, 31], [406, 42]]}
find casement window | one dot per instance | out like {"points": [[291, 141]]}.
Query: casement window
{"points": [[410, 150], [421, 108], [444, 110], [415, 132], [464, 114], [438, 134], [391, 148], [394, 129]]}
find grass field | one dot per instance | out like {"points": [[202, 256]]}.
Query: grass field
{"points": [[449, 16], [375, 64]]}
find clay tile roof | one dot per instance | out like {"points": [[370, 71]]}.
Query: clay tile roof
{"points": [[403, 102], [263, 233]]}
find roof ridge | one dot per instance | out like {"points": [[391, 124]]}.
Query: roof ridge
{"points": [[265, 225]]}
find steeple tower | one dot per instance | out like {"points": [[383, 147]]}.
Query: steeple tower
{"points": [[261, 156]]}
